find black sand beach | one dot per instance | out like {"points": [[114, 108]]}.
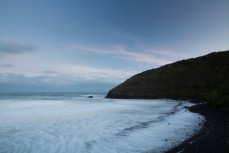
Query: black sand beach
{"points": [[213, 137]]}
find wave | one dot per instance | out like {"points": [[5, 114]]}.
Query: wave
{"points": [[92, 126]]}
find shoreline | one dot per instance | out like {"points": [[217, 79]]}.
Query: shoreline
{"points": [[213, 136]]}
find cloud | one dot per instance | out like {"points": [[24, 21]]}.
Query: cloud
{"points": [[21, 83], [15, 48], [71, 73], [6, 65], [94, 73], [122, 51], [170, 54], [144, 58], [65, 74]]}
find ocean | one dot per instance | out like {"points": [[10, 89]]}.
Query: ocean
{"points": [[74, 123]]}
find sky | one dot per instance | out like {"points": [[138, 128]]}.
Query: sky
{"points": [[93, 45]]}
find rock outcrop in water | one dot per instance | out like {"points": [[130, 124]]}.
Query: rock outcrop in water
{"points": [[204, 78], [90, 97]]}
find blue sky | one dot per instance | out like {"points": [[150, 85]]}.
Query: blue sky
{"points": [[93, 45]]}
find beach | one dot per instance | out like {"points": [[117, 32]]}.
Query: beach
{"points": [[213, 137]]}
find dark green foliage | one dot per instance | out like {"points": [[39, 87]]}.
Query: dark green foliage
{"points": [[204, 78], [228, 135]]}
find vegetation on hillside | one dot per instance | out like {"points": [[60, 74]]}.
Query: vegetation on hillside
{"points": [[204, 79]]}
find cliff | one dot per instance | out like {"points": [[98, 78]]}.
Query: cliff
{"points": [[204, 78]]}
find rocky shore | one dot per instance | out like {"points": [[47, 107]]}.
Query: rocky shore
{"points": [[213, 137]]}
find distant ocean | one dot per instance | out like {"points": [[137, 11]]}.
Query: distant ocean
{"points": [[74, 123]]}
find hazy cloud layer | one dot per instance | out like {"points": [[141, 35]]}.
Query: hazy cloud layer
{"points": [[6, 65], [123, 52], [15, 48], [19, 82], [58, 82], [65, 75]]}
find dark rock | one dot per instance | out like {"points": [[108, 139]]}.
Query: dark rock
{"points": [[90, 97], [204, 78]]}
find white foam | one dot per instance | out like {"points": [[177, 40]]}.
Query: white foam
{"points": [[94, 126]]}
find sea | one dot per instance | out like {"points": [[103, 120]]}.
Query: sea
{"points": [[73, 123]]}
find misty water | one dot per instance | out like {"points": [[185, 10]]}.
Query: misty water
{"points": [[73, 123]]}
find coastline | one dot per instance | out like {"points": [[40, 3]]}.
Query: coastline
{"points": [[213, 136]]}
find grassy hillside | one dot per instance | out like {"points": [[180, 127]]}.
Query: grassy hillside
{"points": [[204, 78]]}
